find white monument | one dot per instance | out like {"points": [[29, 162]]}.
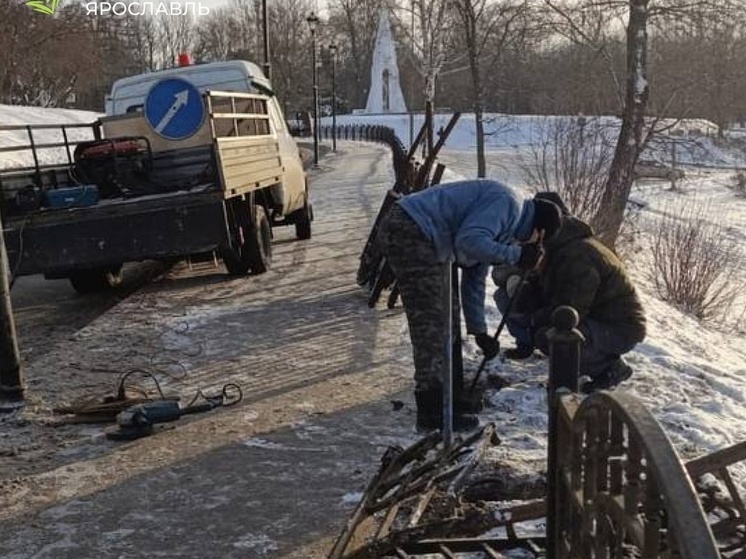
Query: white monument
{"points": [[385, 95]]}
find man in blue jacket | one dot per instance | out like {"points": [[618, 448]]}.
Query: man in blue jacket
{"points": [[474, 223]]}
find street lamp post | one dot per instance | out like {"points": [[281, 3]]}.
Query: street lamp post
{"points": [[265, 41], [313, 21], [333, 50]]}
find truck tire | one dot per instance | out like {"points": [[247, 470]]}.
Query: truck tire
{"points": [[303, 219], [252, 250], [96, 280], [258, 243], [235, 261]]}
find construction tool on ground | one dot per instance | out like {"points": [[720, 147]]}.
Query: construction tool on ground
{"points": [[104, 408], [140, 420]]}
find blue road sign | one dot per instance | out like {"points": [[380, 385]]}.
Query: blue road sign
{"points": [[174, 109]]}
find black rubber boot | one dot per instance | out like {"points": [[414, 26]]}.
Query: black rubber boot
{"points": [[618, 372], [519, 352], [462, 401], [430, 413]]}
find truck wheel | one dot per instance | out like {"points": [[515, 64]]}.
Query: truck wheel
{"points": [[97, 279], [303, 219], [258, 243], [235, 261]]}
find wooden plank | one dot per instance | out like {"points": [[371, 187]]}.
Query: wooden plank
{"points": [[716, 460], [248, 145], [267, 145], [248, 163], [242, 161], [247, 140], [422, 504], [252, 181], [240, 190], [385, 527], [258, 168], [253, 116], [232, 158], [241, 187]]}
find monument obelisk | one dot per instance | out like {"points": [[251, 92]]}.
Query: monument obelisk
{"points": [[385, 94]]}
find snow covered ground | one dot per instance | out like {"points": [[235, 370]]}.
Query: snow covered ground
{"points": [[692, 376]]}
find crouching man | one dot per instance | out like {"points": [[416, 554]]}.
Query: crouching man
{"points": [[580, 271]]}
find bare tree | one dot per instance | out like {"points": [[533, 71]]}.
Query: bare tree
{"points": [[176, 36], [291, 56], [144, 39], [356, 21], [216, 35], [572, 157], [695, 261], [43, 58], [634, 131], [429, 41], [488, 31]]}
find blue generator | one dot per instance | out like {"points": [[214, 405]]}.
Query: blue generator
{"points": [[72, 196]]}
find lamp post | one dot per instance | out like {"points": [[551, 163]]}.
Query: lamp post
{"points": [[333, 50], [313, 21], [265, 41]]}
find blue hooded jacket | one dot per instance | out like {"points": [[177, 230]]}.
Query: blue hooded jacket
{"points": [[474, 223]]}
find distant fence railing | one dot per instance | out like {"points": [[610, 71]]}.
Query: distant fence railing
{"points": [[376, 133]]}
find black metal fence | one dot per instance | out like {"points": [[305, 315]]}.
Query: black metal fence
{"points": [[375, 133]]}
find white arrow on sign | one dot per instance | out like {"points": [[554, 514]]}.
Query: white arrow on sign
{"points": [[180, 100]]}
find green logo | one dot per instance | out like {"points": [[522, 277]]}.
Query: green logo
{"points": [[43, 6]]}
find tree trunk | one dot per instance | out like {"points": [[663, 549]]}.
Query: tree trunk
{"points": [[476, 84], [479, 129], [608, 219], [469, 17]]}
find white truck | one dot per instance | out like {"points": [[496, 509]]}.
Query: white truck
{"points": [[189, 160]]}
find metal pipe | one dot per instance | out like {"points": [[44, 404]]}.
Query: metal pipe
{"points": [[312, 23], [333, 48], [447, 382]]}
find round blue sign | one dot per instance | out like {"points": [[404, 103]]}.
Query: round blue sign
{"points": [[174, 109]]}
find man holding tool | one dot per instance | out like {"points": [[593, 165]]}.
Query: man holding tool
{"points": [[580, 271], [474, 223], [518, 294]]}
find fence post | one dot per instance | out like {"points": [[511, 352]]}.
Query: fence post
{"points": [[564, 372]]}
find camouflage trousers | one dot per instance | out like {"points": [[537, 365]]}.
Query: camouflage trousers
{"points": [[421, 282]]}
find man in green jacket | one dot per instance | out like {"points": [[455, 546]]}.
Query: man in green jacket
{"points": [[580, 271]]}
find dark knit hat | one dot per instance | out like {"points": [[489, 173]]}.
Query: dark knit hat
{"points": [[547, 217], [554, 198]]}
